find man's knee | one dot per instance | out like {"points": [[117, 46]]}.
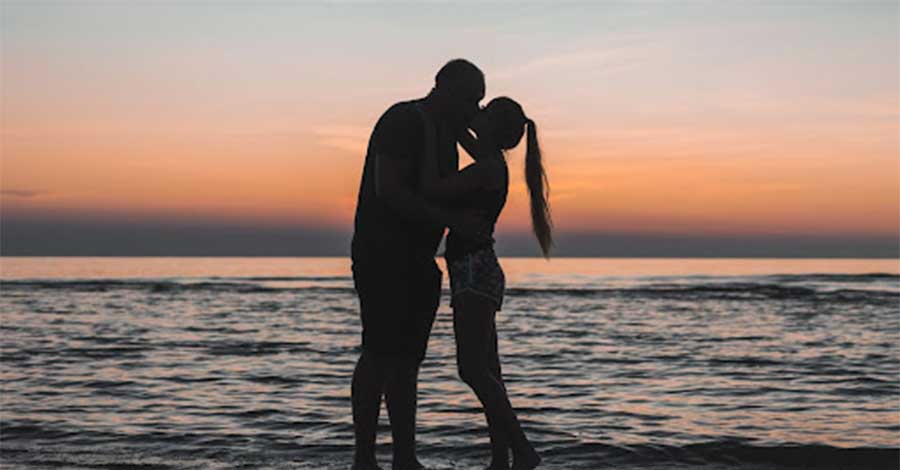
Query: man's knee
{"points": [[403, 365], [406, 369], [364, 369], [368, 363]]}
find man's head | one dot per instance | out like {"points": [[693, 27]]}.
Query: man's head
{"points": [[458, 88]]}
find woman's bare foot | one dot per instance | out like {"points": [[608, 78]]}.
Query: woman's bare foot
{"points": [[415, 465]]}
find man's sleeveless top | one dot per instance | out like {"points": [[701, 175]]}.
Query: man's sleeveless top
{"points": [[380, 233]]}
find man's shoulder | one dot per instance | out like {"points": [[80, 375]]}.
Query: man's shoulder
{"points": [[401, 113], [400, 127], [404, 106]]}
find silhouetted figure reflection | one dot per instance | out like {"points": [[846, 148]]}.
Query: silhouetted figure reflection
{"points": [[476, 278], [396, 235]]}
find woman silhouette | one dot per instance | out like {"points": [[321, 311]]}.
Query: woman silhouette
{"points": [[476, 278]]}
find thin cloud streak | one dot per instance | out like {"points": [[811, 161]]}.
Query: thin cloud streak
{"points": [[28, 193]]}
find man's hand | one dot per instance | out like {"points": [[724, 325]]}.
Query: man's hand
{"points": [[472, 225]]}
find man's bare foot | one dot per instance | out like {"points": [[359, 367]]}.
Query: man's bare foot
{"points": [[526, 462], [365, 466]]}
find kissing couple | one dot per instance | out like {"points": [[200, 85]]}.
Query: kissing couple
{"points": [[411, 191]]}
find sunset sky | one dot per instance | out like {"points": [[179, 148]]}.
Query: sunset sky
{"points": [[698, 121]]}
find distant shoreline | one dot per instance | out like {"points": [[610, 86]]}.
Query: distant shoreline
{"points": [[501, 255]]}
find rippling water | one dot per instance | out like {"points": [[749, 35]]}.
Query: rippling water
{"points": [[225, 362]]}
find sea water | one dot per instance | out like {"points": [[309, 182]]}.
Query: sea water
{"points": [[159, 363]]}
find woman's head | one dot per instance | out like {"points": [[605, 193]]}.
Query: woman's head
{"points": [[502, 123]]}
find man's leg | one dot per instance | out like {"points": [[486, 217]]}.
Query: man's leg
{"points": [[376, 305], [366, 390], [400, 394], [402, 384]]}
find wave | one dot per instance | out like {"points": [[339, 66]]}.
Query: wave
{"points": [[784, 277], [186, 449], [722, 291], [832, 277], [799, 455], [288, 278], [102, 285], [707, 290]]}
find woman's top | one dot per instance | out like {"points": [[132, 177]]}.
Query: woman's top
{"points": [[488, 202]]}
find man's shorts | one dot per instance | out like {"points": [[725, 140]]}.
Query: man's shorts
{"points": [[397, 306]]}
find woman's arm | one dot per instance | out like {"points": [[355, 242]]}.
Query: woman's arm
{"points": [[457, 184], [469, 144]]}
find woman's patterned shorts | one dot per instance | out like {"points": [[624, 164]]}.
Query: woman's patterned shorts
{"points": [[478, 272]]}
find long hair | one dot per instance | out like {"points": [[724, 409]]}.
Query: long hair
{"points": [[510, 119], [538, 190]]}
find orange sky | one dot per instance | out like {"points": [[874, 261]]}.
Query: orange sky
{"points": [[749, 120]]}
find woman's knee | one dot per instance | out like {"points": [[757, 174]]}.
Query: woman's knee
{"points": [[473, 373]]}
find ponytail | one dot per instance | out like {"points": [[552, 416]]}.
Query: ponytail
{"points": [[538, 190]]}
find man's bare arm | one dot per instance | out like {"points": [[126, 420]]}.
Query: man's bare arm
{"points": [[455, 185], [391, 188]]}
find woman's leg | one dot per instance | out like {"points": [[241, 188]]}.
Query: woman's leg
{"points": [[473, 318], [499, 441]]}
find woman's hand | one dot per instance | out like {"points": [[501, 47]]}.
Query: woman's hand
{"points": [[469, 143]]}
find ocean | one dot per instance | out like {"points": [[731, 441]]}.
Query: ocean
{"points": [[208, 363]]}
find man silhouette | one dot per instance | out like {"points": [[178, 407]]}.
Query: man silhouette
{"points": [[396, 234]]}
